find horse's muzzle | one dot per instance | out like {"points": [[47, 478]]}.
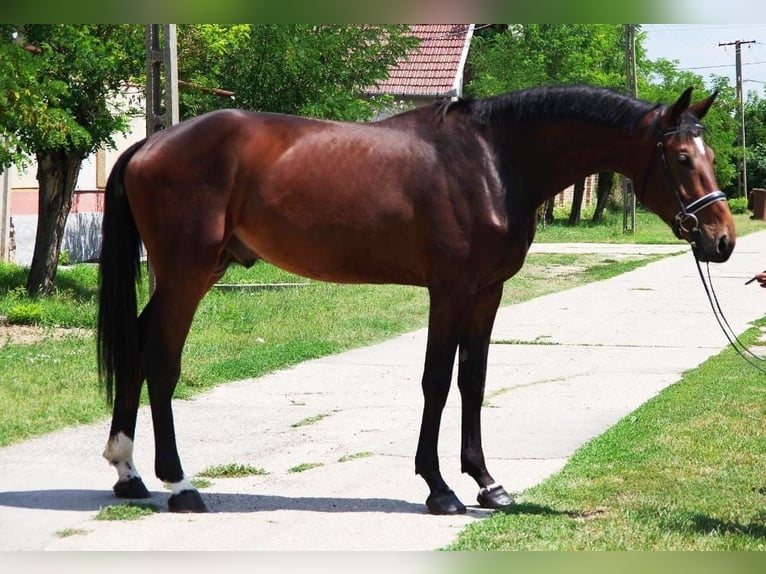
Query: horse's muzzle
{"points": [[715, 248]]}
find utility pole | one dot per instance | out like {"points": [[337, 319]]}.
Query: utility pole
{"points": [[742, 180], [5, 211], [161, 77], [628, 197], [161, 87]]}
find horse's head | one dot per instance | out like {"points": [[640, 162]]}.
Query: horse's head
{"points": [[680, 185]]}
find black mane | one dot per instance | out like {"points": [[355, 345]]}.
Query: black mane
{"points": [[557, 103]]}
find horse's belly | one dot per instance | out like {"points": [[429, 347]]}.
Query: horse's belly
{"points": [[337, 254]]}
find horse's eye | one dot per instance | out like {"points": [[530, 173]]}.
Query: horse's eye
{"points": [[683, 159]]}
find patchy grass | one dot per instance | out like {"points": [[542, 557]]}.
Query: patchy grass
{"points": [[67, 532], [355, 456], [310, 420], [127, 511], [232, 470], [304, 467]]}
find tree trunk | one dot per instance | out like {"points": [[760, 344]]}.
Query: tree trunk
{"points": [[577, 196], [605, 181], [548, 214], [56, 175]]}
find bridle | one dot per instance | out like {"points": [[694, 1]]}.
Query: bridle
{"points": [[686, 219]]}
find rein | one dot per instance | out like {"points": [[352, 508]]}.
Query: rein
{"points": [[738, 345]]}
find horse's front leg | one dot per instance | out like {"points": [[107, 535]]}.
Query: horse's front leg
{"points": [[442, 343], [472, 372]]}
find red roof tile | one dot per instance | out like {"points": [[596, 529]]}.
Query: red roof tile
{"points": [[433, 68]]}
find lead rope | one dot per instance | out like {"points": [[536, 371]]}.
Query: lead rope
{"points": [[738, 345]]}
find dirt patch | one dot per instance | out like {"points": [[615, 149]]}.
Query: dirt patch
{"points": [[28, 334]]}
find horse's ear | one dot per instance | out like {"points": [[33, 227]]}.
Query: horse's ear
{"points": [[701, 108], [681, 105]]}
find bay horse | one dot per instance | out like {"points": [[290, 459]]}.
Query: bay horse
{"points": [[444, 197]]}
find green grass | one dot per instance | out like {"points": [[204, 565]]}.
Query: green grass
{"points": [[356, 455], [304, 466], [232, 470], [127, 511], [310, 420], [649, 229], [67, 532], [683, 472]]}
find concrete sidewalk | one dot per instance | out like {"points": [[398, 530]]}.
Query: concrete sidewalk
{"points": [[614, 344]]}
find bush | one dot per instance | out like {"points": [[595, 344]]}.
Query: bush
{"points": [[738, 205], [25, 314]]}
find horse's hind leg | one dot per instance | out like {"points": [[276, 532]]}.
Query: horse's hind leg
{"points": [[472, 372], [171, 312], [119, 447]]}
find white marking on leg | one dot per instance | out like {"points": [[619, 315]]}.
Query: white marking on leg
{"points": [[119, 453], [180, 486]]}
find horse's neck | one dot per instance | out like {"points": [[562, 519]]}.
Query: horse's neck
{"points": [[560, 160]]}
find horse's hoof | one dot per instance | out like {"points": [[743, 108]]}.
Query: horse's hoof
{"points": [[133, 488], [444, 502], [494, 497], [186, 501]]}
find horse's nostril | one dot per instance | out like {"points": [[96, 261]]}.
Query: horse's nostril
{"points": [[724, 247]]}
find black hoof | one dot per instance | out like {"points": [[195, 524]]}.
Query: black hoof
{"points": [[186, 501], [495, 497], [133, 488], [444, 502]]}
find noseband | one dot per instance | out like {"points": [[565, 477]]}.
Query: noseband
{"points": [[685, 220]]}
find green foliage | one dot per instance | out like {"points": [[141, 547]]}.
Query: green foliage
{"points": [[526, 55], [312, 70], [755, 140], [738, 205], [25, 314], [68, 92], [72, 303]]}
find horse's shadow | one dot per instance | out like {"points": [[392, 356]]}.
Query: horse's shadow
{"points": [[94, 500]]}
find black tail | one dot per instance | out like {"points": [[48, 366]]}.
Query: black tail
{"points": [[120, 271]]}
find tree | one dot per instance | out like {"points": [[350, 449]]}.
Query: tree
{"points": [[80, 72], [755, 140], [527, 55], [310, 70]]}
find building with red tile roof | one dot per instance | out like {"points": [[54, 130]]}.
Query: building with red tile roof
{"points": [[434, 69]]}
